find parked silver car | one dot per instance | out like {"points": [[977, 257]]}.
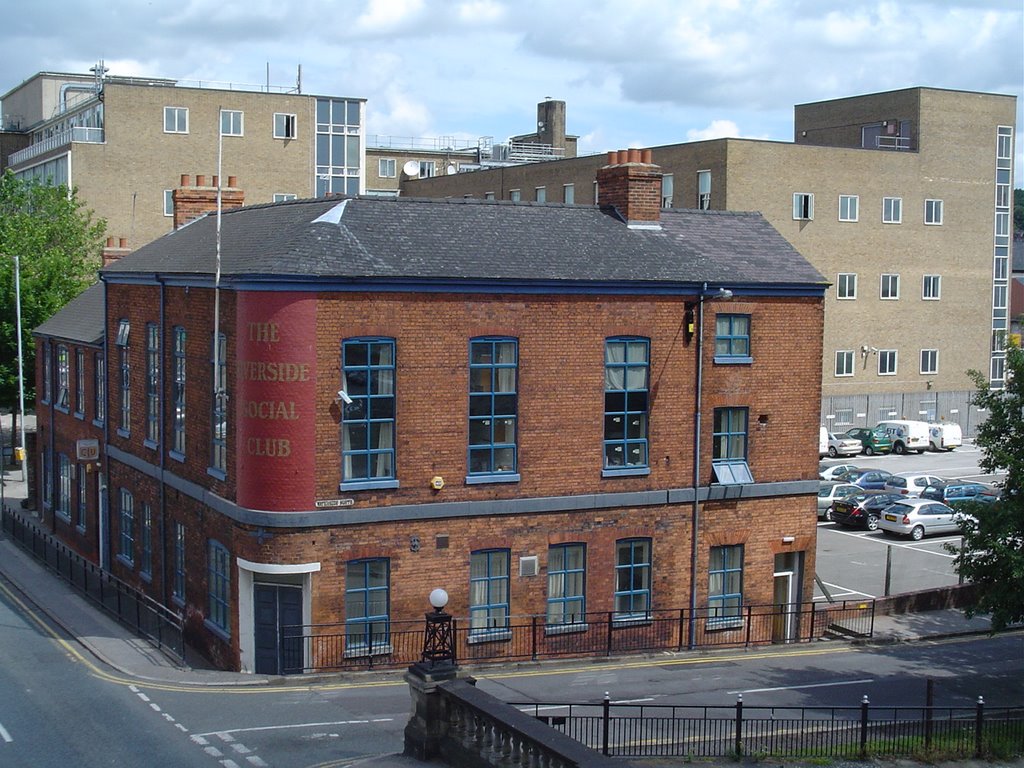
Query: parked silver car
{"points": [[841, 445], [918, 518]]}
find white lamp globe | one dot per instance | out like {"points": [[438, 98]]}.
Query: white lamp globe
{"points": [[439, 598]]}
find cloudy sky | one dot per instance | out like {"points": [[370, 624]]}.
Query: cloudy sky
{"points": [[632, 73]]}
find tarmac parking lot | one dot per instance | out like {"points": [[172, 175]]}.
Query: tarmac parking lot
{"points": [[853, 563]]}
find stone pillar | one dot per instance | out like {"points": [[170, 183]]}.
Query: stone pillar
{"points": [[428, 724]]}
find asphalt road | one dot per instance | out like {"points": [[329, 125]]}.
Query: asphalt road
{"points": [[853, 563]]}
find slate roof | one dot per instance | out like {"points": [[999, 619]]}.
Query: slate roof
{"points": [[444, 240], [80, 320]]}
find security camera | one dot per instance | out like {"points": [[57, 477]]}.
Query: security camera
{"points": [[343, 395]]}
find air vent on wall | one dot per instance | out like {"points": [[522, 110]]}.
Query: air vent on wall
{"points": [[528, 566]]}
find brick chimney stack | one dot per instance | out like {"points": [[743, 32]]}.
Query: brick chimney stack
{"points": [[115, 249], [631, 184], [193, 200]]}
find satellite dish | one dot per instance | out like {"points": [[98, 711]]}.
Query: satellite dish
{"points": [[452, 170], [411, 169]]}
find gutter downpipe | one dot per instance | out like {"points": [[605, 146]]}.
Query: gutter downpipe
{"points": [[695, 516]]}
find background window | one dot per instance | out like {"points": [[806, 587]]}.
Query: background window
{"points": [[803, 206], [146, 531], [667, 185], [632, 578], [540, 194], [844, 362], [932, 211], [367, 596], [368, 421], [931, 287], [848, 207], [568, 194], [892, 210], [887, 362], [80, 382], [283, 197], [387, 168], [488, 590], [625, 402], [725, 583], [566, 584], [846, 285], [168, 202], [428, 169], [63, 377], [230, 122], [704, 190], [493, 405], [890, 288], [514, 195], [219, 436], [732, 336], [729, 446], [284, 126], [152, 382], [127, 526], [179, 561], [100, 375], [83, 500], [929, 361], [175, 120], [64, 486], [178, 391]]}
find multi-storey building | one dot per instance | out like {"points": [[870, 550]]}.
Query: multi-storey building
{"points": [[901, 199], [552, 411], [123, 141], [392, 159]]}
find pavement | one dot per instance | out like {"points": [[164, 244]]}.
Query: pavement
{"points": [[118, 648]]}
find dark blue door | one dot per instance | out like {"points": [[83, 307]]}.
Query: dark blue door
{"points": [[278, 617]]}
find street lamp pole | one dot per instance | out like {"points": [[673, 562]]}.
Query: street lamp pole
{"points": [[21, 371], [720, 293]]}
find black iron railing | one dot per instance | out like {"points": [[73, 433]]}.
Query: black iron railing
{"points": [[324, 647], [137, 611]]}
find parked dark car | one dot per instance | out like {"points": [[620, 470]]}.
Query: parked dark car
{"points": [[868, 479], [955, 493], [862, 510], [872, 441]]}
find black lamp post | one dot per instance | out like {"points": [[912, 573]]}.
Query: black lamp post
{"points": [[439, 636]]}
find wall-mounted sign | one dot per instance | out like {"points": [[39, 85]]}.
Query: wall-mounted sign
{"points": [[87, 450], [332, 503]]}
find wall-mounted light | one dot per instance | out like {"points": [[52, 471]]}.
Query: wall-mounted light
{"points": [[343, 396], [788, 539]]}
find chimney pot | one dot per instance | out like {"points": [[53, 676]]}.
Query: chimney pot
{"points": [[216, 181], [232, 181], [613, 157], [633, 155], [123, 242], [200, 180], [184, 180], [646, 156], [110, 242]]}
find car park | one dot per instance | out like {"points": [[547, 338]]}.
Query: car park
{"points": [[910, 484], [867, 479], [840, 445], [918, 518], [828, 493], [872, 441], [826, 472], [862, 510]]}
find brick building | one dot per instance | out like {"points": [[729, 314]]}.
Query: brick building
{"points": [[528, 405]]}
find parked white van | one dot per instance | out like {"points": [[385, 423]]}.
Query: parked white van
{"points": [[907, 435], [822, 442], [945, 436]]}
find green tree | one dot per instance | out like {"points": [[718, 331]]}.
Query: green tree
{"points": [[1018, 210], [992, 556], [59, 249]]}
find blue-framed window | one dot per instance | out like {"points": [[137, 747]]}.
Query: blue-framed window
{"points": [[47, 373], [123, 330], [83, 499], [725, 583], [368, 412], [219, 421], [100, 374], [178, 588], [46, 462], [178, 392], [80, 382], [488, 591], [64, 486], [567, 576], [493, 406], [729, 446], [126, 548], [626, 376], [152, 383], [219, 585], [632, 579], [732, 338], [367, 601], [146, 542], [63, 377]]}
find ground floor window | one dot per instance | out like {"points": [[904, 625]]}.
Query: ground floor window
{"points": [[367, 596], [219, 575], [488, 591], [566, 584], [725, 584], [632, 579]]}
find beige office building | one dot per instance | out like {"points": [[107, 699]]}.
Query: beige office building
{"points": [[125, 143], [902, 199]]}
